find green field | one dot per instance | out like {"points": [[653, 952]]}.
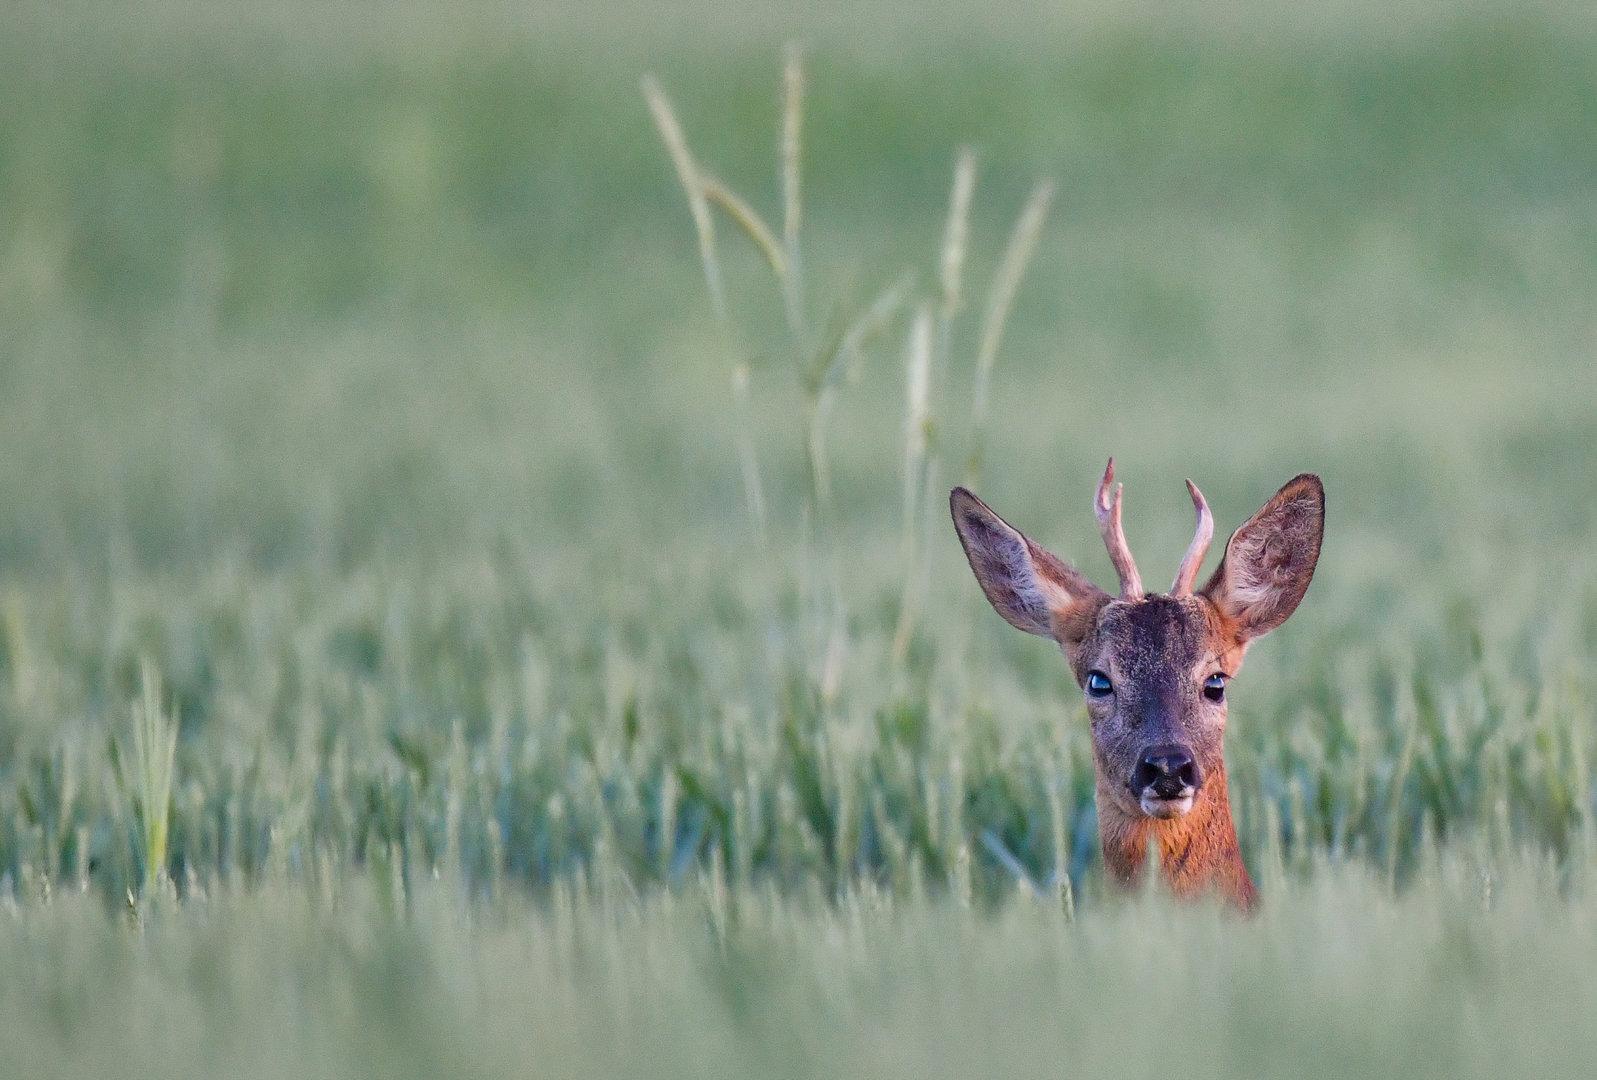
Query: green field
{"points": [[368, 438]]}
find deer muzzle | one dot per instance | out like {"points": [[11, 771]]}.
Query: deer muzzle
{"points": [[1166, 780]]}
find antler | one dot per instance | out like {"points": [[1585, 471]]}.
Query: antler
{"points": [[1193, 559], [1114, 538]]}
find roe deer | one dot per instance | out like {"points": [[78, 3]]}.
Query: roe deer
{"points": [[1154, 667]]}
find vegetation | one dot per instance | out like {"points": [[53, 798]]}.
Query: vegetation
{"points": [[439, 635]]}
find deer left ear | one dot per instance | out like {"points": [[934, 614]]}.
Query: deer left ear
{"points": [[1270, 560], [1029, 586]]}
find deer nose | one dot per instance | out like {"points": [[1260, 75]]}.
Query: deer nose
{"points": [[1168, 770]]}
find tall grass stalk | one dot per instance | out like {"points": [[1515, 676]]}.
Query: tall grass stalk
{"points": [[791, 155], [698, 194], [918, 465], [956, 237], [754, 227], [823, 363], [823, 376], [1000, 301], [918, 409], [687, 170], [748, 459]]}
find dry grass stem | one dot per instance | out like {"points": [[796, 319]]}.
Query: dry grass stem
{"points": [[753, 489], [687, 171], [748, 219], [956, 232], [917, 399], [792, 145], [1000, 300]]}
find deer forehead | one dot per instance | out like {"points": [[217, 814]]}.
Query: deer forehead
{"points": [[1155, 637]]}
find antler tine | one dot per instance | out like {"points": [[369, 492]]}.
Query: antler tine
{"points": [[1107, 511], [1193, 559]]}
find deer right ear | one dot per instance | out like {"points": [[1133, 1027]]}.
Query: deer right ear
{"points": [[1270, 560], [1032, 589]]}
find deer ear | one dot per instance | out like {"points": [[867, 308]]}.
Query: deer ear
{"points": [[1270, 560], [1031, 588]]}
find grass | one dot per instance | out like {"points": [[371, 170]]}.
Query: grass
{"points": [[394, 679], [1460, 977]]}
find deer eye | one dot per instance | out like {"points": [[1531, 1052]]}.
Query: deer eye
{"points": [[1098, 684], [1214, 687]]}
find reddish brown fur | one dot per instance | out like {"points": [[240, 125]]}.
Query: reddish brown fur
{"points": [[1157, 651], [1197, 853]]}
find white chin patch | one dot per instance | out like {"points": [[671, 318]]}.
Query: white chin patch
{"points": [[1156, 807]]}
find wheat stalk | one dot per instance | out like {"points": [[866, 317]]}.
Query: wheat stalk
{"points": [[917, 411], [917, 441], [1000, 300], [956, 233], [753, 489], [821, 368], [748, 219], [687, 172], [694, 185], [792, 154], [792, 143]]}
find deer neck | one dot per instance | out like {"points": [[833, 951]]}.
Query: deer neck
{"points": [[1197, 853]]}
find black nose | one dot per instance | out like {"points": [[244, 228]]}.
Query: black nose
{"points": [[1168, 770]]}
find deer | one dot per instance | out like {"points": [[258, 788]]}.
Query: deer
{"points": [[1154, 667]]}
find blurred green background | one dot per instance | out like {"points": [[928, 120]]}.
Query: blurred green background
{"points": [[361, 399], [281, 281]]}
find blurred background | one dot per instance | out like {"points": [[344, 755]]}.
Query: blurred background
{"points": [[294, 283]]}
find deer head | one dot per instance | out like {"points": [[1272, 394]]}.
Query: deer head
{"points": [[1154, 667]]}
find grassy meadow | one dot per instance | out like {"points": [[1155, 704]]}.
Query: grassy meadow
{"points": [[442, 636]]}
